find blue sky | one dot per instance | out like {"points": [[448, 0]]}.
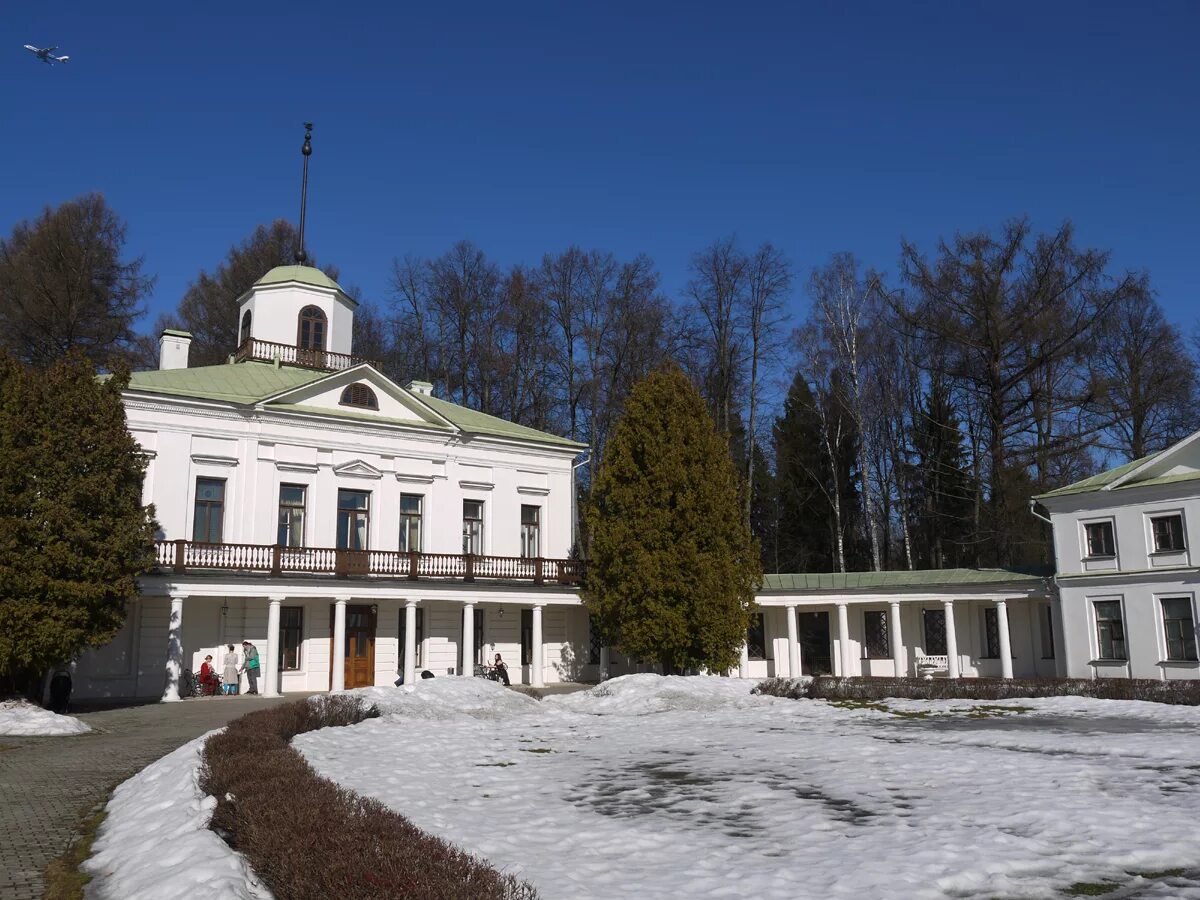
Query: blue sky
{"points": [[658, 128]]}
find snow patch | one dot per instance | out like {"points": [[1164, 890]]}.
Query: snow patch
{"points": [[646, 694], [18, 717], [156, 843], [440, 698]]}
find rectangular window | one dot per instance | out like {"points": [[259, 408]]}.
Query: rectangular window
{"points": [[935, 631], [354, 517], [594, 643], [527, 637], [1100, 541], [410, 522], [875, 635], [1110, 629], [291, 635], [1180, 629], [1047, 620], [419, 640], [472, 533], [756, 637], [530, 540], [291, 515], [210, 510], [991, 633], [1168, 533]]}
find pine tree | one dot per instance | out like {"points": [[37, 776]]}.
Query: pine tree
{"points": [[941, 485], [673, 566], [73, 531]]}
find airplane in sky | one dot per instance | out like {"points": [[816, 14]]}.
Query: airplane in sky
{"points": [[46, 54]]}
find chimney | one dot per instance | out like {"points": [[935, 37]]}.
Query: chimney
{"points": [[424, 388], [173, 349]]}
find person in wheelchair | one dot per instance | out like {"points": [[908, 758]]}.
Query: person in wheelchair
{"points": [[209, 682]]}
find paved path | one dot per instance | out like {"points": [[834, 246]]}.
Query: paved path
{"points": [[48, 784]]}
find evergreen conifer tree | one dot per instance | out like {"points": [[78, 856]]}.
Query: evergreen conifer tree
{"points": [[73, 530], [673, 566]]}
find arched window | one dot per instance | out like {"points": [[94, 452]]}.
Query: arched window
{"points": [[312, 329], [359, 395], [244, 334]]}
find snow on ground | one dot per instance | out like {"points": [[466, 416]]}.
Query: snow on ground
{"points": [[20, 718], [155, 841], [671, 787]]}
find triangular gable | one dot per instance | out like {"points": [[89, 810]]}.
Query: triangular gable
{"points": [[358, 469], [1178, 459], [395, 403]]}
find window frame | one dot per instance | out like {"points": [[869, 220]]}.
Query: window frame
{"points": [[928, 613], [534, 528], [870, 649], [359, 395], [408, 520], [1166, 516], [1110, 525], [758, 622], [290, 508], [208, 506], [365, 513], [244, 329], [284, 631], [473, 539], [304, 317], [1113, 639], [1186, 641]]}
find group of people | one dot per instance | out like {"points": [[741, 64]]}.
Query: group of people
{"points": [[233, 667]]}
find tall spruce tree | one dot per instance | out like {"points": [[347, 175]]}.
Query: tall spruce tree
{"points": [[941, 486], [673, 566], [73, 531], [805, 542]]}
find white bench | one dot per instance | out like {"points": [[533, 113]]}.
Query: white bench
{"points": [[928, 666]]}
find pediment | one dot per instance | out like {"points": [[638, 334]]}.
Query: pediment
{"points": [[356, 468], [392, 403], [1178, 461]]}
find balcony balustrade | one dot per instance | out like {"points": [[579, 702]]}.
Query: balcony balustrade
{"points": [[269, 351], [195, 556]]}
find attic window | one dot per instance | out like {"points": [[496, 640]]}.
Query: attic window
{"points": [[311, 332], [359, 395], [245, 333]]}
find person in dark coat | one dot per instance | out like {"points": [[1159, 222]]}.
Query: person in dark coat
{"points": [[500, 670]]}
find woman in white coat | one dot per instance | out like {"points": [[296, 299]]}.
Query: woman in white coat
{"points": [[230, 676]]}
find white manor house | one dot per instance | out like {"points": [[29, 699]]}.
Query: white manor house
{"points": [[359, 531]]}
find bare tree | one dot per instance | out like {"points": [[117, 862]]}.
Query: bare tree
{"points": [[716, 292]]}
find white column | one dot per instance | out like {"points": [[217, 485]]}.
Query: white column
{"points": [[338, 681], [793, 643], [468, 640], [951, 640], [410, 642], [174, 669], [605, 656], [898, 660], [844, 639], [536, 676], [744, 662], [1005, 642], [271, 663]]}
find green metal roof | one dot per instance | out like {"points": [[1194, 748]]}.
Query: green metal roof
{"points": [[473, 421], [1096, 482], [303, 274], [250, 382], [849, 581], [176, 332], [245, 382]]}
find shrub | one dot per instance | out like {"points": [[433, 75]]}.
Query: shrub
{"points": [[1181, 693], [308, 838]]}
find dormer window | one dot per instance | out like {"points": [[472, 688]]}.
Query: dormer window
{"points": [[244, 334], [359, 395], [311, 334]]}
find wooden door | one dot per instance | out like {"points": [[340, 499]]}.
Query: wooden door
{"points": [[360, 645]]}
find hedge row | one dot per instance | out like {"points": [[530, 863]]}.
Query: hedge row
{"points": [[1181, 693], [308, 838]]}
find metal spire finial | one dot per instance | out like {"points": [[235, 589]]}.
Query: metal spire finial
{"points": [[306, 150]]}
